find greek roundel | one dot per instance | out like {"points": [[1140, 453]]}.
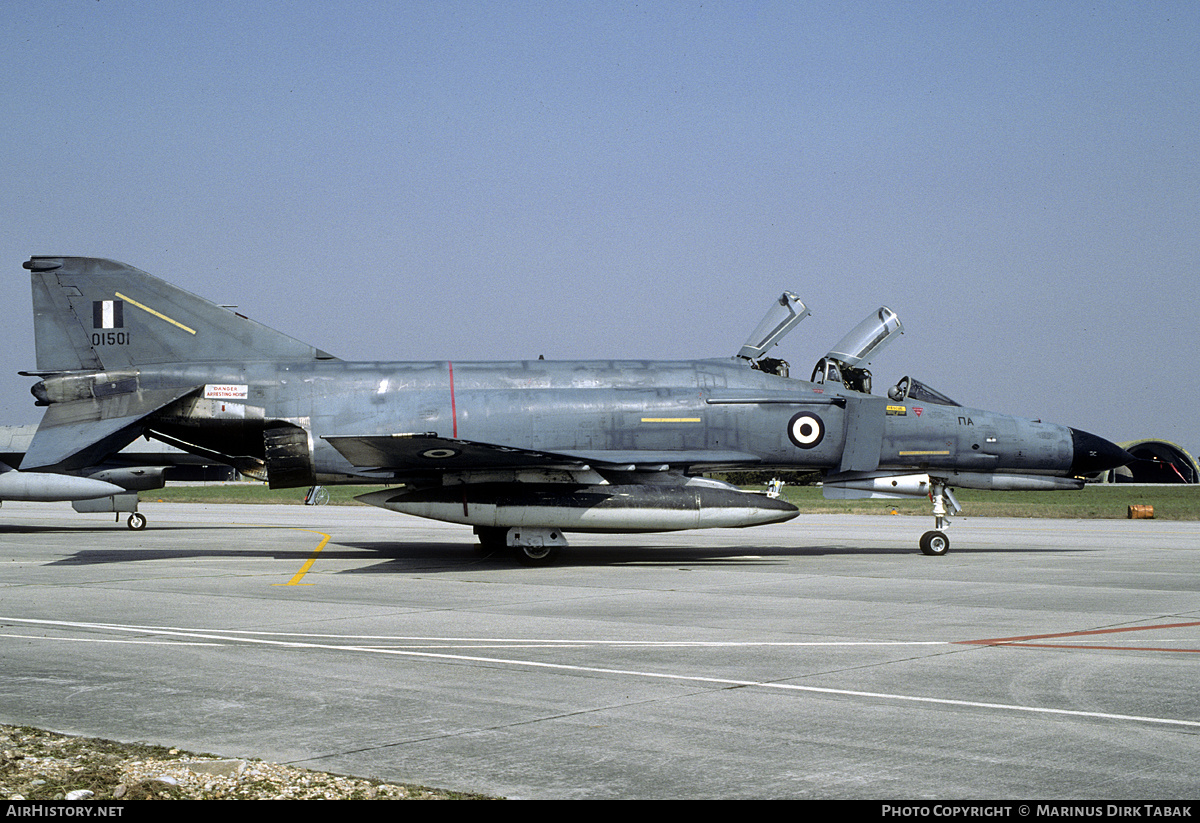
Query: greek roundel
{"points": [[806, 430]]}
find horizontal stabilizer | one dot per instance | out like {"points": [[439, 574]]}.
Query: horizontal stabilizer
{"points": [[84, 432]]}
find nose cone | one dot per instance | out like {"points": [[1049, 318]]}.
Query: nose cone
{"points": [[1095, 454]]}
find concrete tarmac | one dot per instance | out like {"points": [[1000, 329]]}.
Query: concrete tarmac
{"points": [[821, 658]]}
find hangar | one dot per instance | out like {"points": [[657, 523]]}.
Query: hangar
{"points": [[1158, 461]]}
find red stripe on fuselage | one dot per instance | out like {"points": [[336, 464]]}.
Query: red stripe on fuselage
{"points": [[453, 405]]}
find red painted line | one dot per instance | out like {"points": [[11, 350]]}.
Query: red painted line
{"points": [[1102, 648], [453, 405], [1023, 640]]}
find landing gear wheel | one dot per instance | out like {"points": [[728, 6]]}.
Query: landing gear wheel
{"points": [[136, 521], [934, 543], [536, 555]]}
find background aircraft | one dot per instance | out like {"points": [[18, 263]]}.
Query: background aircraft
{"points": [[112, 486], [522, 451]]}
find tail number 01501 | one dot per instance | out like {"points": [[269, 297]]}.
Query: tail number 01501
{"points": [[110, 338]]}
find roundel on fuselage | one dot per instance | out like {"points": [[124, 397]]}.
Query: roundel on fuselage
{"points": [[806, 430]]}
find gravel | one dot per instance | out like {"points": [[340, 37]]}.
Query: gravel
{"points": [[40, 765]]}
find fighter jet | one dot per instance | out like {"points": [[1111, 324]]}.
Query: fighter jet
{"points": [[110, 487], [522, 451], [92, 490]]}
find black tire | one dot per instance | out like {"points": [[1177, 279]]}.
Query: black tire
{"points": [[136, 521], [934, 543], [536, 555]]}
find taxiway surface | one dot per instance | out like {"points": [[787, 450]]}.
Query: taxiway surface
{"points": [[825, 657]]}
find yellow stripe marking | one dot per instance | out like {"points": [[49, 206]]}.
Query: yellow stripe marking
{"points": [[308, 564], [917, 454], [157, 314], [671, 419]]}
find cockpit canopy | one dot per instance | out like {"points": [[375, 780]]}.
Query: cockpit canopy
{"points": [[783, 316], [911, 389], [845, 363], [841, 364], [867, 338]]}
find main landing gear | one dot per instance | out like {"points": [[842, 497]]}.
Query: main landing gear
{"points": [[935, 543], [532, 546]]}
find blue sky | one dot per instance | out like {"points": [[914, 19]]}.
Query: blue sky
{"points": [[1020, 182]]}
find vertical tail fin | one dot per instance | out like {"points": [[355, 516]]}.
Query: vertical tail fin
{"points": [[99, 327], [92, 314]]}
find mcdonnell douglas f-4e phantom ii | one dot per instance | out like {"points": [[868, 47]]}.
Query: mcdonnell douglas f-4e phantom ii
{"points": [[522, 451]]}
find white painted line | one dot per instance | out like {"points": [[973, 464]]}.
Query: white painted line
{"points": [[110, 640], [237, 634], [239, 637]]}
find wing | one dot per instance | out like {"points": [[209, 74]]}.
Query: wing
{"points": [[428, 452], [425, 452]]}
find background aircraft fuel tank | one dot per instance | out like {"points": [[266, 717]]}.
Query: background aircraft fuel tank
{"points": [[44, 487], [599, 508]]}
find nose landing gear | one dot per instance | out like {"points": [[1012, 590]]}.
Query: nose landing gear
{"points": [[935, 543]]}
